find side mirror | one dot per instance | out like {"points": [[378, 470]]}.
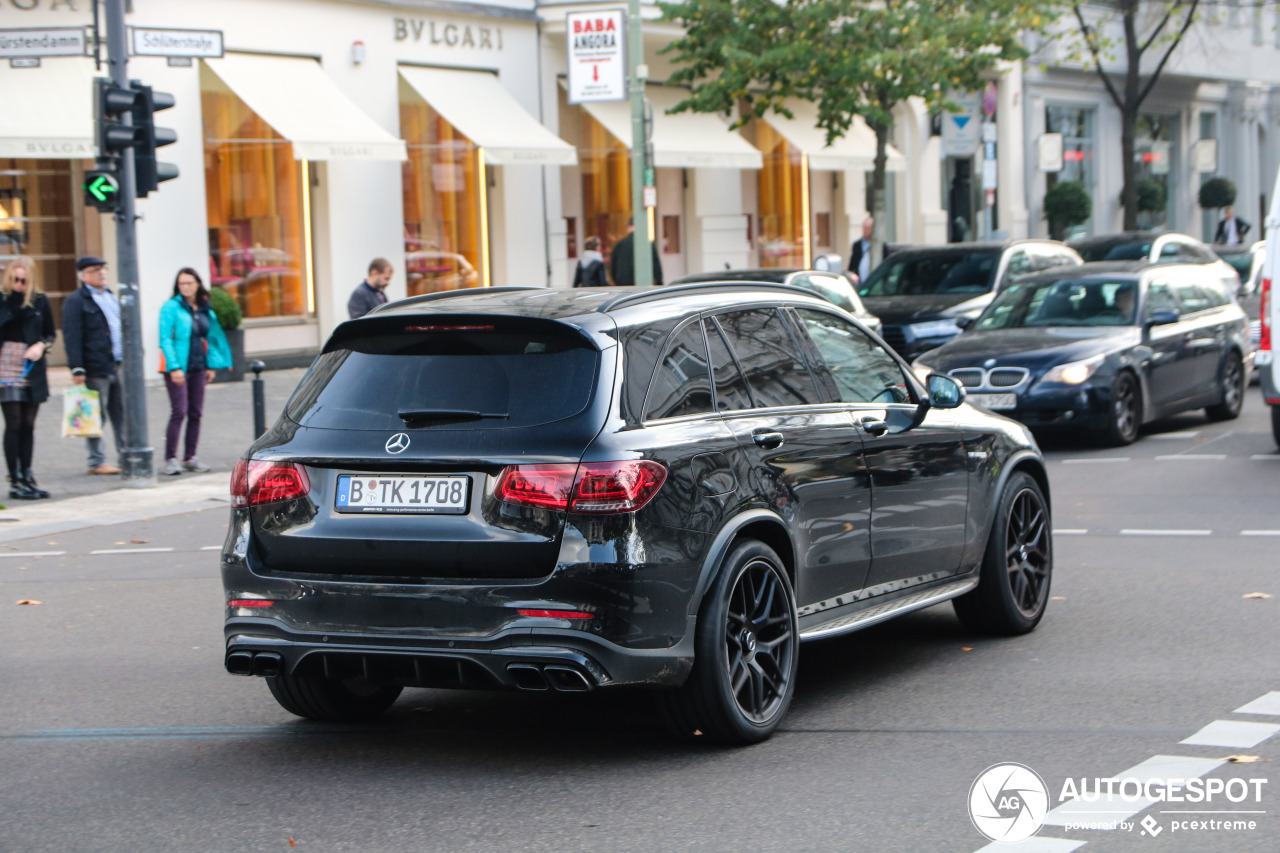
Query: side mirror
{"points": [[964, 321], [1163, 317], [944, 392]]}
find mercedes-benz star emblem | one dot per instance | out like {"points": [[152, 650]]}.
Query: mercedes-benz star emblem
{"points": [[398, 443]]}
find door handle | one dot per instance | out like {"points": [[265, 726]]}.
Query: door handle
{"points": [[873, 426], [767, 440]]}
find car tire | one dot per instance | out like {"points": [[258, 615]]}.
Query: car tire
{"points": [[745, 653], [332, 700], [1017, 568], [1232, 380], [1124, 412]]}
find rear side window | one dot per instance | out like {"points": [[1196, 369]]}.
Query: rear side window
{"points": [[441, 374], [731, 389], [682, 383], [776, 372]]}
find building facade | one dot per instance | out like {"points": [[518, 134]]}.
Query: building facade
{"points": [[440, 135]]}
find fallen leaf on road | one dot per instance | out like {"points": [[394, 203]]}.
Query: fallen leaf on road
{"points": [[966, 648], [1057, 598], [291, 844], [1244, 759], [139, 541], [1257, 595], [29, 601]]}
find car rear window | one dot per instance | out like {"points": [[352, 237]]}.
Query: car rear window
{"points": [[934, 273], [448, 374]]}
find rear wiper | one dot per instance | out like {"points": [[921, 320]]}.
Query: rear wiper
{"points": [[416, 415]]}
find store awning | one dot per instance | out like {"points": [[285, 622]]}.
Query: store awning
{"points": [[683, 140], [476, 103], [47, 111], [304, 106], [855, 150]]}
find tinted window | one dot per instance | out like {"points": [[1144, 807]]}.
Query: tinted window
{"points": [[1160, 298], [837, 290], [775, 370], [1066, 302], [1136, 251], [862, 370], [682, 383], [936, 272], [642, 346], [486, 377], [732, 393], [1019, 263], [1196, 297]]}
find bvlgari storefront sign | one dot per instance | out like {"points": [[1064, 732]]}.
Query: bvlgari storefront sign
{"points": [[448, 34]]}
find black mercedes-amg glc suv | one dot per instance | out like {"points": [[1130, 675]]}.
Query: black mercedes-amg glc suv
{"points": [[569, 490]]}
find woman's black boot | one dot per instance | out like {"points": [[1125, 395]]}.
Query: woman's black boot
{"points": [[19, 490], [29, 477]]}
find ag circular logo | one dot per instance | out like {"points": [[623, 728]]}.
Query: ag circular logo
{"points": [[1008, 802]]}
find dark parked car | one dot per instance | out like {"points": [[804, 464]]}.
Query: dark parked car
{"points": [[923, 293], [1160, 248], [1104, 347], [567, 490], [831, 286]]}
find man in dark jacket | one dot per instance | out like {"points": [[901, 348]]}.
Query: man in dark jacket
{"points": [[371, 292], [1231, 228], [91, 334], [622, 263]]}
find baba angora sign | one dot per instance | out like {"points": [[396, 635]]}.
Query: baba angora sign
{"points": [[596, 42]]}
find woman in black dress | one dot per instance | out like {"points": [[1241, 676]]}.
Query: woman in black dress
{"points": [[26, 331]]}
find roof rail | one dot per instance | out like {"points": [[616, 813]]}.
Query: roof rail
{"points": [[699, 287], [445, 294]]}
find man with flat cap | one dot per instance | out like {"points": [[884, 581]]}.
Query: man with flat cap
{"points": [[91, 334]]}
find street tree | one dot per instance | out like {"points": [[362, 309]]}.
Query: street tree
{"points": [[1150, 31], [848, 57]]}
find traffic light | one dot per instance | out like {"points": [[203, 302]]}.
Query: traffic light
{"points": [[101, 189], [149, 137], [112, 136]]}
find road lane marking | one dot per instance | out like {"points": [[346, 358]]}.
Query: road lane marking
{"points": [[1129, 531], [1233, 733], [1186, 434], [1070, 531], [1192, 457], [1157, 768], [1268, 704], [174, 732], [1097, 461], [1034, 844], [32, 553], [1265, 457], [211, 548], [1260, 532], [131, 551]]}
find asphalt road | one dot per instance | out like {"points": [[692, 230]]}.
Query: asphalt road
{"points": [[119, 730]]}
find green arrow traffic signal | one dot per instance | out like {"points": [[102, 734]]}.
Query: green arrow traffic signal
{"points": [[101, 189]]}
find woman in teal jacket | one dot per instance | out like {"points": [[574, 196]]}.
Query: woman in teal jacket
{"points": [[192, 347]]}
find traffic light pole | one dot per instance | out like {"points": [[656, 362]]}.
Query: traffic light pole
{"points": [[641, 240], [137, 467]]}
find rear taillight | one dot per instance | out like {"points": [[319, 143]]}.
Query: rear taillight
{"points": [[593, 487], [1264, 342], [254, 483]]}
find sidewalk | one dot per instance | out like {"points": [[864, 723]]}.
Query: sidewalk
{"points": [[60, 463]]}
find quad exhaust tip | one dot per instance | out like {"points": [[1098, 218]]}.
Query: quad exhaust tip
{"points": [[266, 664], [564, 679]]}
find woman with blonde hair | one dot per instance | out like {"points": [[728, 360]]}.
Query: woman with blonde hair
{"points": [[26, 332]]}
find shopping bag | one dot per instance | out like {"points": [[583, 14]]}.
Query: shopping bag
{"points": [[81, 413]]}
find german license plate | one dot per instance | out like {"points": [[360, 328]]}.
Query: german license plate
{"points": [[994, 402], [419, 495]]}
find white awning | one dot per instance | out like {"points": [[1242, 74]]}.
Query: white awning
{"points": [[684, 140], [855, 150], [47, 112], [304, 106], [476, 103]]}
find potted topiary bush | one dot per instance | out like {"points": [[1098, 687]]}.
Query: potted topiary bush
{"points": [[1217, 193], [1066, 203], [227, 310]]}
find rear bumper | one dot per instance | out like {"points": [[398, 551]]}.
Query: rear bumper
{"points": [[525, 659]]}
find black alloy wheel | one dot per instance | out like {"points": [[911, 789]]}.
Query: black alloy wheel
{"points": [[1013, 586], [332, 700], [1125, 413], [1233, 380], [746, 653]]}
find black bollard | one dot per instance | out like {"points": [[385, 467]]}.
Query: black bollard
{"points": [[259, 400]]}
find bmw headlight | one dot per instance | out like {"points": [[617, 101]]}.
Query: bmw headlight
{"points": [[933, 329], [1074, 372]]}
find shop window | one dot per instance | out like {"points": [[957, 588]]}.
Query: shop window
{"points": [[443, 240], [1076, 126], [781, 198], [571, 237], [255, 194], [822, 230], [605, 164], [671, 235], [41, 216]]}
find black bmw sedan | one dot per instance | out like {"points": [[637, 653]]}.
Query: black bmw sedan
{"points": [[1104, 348], [553, 490]]}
